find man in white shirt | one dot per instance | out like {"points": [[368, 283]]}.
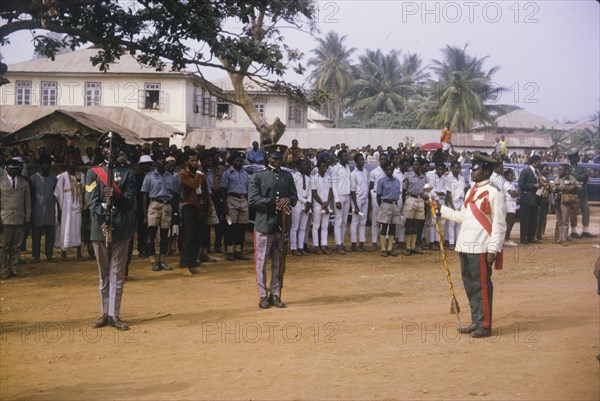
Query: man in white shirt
{"points": [[455, 196], [401, 166], [340, 180], [479, 243], [437, 180], [376, 174], [359, 192], [300, 210]]}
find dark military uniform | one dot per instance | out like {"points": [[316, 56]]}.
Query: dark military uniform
{"points": [[111, 260], [264, 189]]}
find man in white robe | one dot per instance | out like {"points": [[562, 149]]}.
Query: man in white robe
{"points": [[69, 199]]}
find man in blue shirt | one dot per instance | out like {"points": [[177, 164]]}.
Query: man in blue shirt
{"points": [[160, 191], [255, 155], [388, 194], [234, 184]]}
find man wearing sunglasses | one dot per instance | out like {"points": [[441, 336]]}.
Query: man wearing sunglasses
{"points": [[479, 242]]}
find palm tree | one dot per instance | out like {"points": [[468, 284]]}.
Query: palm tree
{"points": [[383, 83], [461, 91], [332, 71]]}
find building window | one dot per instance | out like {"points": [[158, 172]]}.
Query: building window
{"points": [[23, 93], [206, 105], [224, 110], [197, 102], [93, 93], [260, 107], [49, 93], [152, 96], [213, 108], [292, 113]]}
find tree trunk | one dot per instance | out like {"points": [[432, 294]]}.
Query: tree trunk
{"points": [[268, 132]]}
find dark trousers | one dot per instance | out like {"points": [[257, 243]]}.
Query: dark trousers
{"points": [[528, 219], [190, 236], [220, 227], [205, 229], [142, 232], [11, 238], [477, 279], [234, 237], [164, 241], [36, 239]]}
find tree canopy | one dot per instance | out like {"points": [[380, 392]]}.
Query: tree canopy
{"points": [[184, 33]]}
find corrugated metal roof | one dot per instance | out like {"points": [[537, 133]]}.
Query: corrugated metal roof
{"points": [[96, 124], [146, 127], [225, 84], [79, 62], [5, 126], [522, 119]]}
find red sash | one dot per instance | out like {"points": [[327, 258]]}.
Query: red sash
{"points": [[487, 226], [104, 178]]}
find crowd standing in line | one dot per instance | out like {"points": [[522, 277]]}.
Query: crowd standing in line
{"points": [[201, 200]]}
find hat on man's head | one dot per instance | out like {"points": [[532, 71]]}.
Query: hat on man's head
{"points": [[236, 154], [170, 159], [145, 159], [573, 155], [483, 160], [13, 163], [104, 141], [275, 151]]}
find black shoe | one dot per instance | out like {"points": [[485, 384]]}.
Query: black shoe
{"points": [[275, 301], [264, 303], [156, 266], [467, 329], [206, 258], [50, 260], [118, 324], [103, 321], [230, 257], [535, 241], [17, 274], [36, 260], [588, 235], [164, 266], [481, 332], [575, 235], [240, 256], [218, 250]]}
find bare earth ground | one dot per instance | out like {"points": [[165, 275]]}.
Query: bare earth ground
{"points": [[357, 327]]}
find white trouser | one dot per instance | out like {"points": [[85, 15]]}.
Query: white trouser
{"points": [[453, 227], [341, 219], [374, 213], [359, 223], [320, 221], [298, 229]]}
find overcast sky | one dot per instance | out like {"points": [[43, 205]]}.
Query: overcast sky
{"points": [[548, 51]]}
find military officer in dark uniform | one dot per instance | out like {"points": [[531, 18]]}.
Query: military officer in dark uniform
{"points": [[271, 192], [111, 253]]}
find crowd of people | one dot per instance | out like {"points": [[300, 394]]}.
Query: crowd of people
{"points": [[200, 202]]}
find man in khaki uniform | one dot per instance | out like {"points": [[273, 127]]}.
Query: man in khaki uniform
{"points": [[15, 214]]}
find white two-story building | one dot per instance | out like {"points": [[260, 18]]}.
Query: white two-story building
{"points": [[167, 105]]}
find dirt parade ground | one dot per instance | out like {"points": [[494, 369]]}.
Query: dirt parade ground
{"points": [[356, 327]]}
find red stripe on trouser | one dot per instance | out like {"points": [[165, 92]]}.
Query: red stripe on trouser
{"points": [[484, 290]]}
